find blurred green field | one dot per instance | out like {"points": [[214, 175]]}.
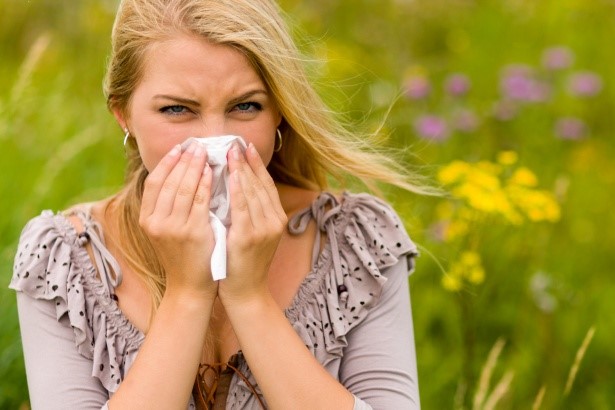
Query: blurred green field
{"points": [[534, 80]]}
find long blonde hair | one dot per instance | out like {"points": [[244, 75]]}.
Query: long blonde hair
{"points": [[316, 145]]}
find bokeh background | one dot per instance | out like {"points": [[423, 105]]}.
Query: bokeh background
{"points": [[508, 104]]}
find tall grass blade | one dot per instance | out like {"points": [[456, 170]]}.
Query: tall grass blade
{"points": [[539, 398], [29, 65], [500, 390], [577, 360], [485, 375]]}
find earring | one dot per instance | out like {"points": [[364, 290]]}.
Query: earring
{"points": [[279, 147], [126, 136]]}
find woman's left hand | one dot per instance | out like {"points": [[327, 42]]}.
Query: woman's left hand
{"points": [[257, 224]]}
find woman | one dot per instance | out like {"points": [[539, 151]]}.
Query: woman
{"points": [[314, 311]]}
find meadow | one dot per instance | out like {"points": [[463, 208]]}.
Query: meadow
{"points": [[506, 104]]}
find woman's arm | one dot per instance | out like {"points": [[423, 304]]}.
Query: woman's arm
{"points": [[286, 371], [163, 373], [288, 374], [175, 216], [59, 377], [379, 363]]}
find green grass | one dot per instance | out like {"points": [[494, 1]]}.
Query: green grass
{"points": [[59, 145]]}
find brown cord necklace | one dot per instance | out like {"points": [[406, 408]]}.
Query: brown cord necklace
{"points": [[206, 394]]}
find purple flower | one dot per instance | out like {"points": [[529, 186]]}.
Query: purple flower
{"points": [[557, 58], [431, 127], [584, 84], [417, 88], [570, 128], [465, 121], [518, 83], [457, 85]]}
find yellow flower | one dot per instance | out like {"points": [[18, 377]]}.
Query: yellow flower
{"points": [[507, 157], [470, 259], [535, 204], [476, 275], [467, 269], [489, 168], [451, 283], [524, 177], [453, 172]]}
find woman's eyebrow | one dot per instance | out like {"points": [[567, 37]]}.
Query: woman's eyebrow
{"points": [[233, 101], [247, 95], [180, 100]]}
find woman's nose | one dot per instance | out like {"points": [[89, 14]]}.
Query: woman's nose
{"points": [[212, 126]]}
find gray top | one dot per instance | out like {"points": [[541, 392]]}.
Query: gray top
{"points": [[352, 310]]}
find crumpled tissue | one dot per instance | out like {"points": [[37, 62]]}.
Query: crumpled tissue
{"points": [[219, 207]]}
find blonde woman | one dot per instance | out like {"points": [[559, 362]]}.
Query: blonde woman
{"points": [[314, 312]]}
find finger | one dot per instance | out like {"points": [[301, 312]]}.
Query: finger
{"points": [[154, 181], [250, 187], [189, 183], [202, 198], [250, 179], [260, 171], [170, 186], [240, 214]]}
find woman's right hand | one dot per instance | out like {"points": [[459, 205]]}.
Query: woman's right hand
{"points": [[175, 217]]}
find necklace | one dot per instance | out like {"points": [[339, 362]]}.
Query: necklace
{"points": [[212, 396]]}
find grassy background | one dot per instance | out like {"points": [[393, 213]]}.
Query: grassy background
{"points": [[59, 145]]}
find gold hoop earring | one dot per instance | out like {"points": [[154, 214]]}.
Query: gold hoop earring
{"points": [[279, 147], [126, 136]]}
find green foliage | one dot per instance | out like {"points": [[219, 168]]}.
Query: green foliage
{"points": [[543, 284]]}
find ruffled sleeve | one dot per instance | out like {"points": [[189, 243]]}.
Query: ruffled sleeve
{"points": [[364, 237], [52, 264]]}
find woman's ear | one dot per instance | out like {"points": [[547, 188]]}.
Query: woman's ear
{"points": [[280, 119], [120, 118]]}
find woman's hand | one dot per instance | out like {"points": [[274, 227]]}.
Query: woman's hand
{"points": [[175, 217], [258, 222]]}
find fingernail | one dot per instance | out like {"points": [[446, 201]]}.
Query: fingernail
{"points": [[199, 152], [252, 149], [191, 148], [236, 152], [176, 150], [207, 169]]}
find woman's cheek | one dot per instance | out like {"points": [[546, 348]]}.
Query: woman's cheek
{"points": [[151, 159]]}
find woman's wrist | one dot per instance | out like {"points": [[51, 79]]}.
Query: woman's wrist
{"points": [[250, 303], [188, 298]]}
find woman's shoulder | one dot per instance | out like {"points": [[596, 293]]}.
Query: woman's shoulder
{"points": [[355, 215], [45, 246], [51, 225], [51, 245]]}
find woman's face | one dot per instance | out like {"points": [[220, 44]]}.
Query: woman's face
{"points": [[192, 88]]}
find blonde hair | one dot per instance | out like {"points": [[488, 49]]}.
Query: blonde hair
{"points": [[316, 145]]}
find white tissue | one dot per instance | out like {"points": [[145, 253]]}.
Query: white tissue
{"points": [[219, 208]]}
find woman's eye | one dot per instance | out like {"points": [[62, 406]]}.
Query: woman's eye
{"points": [[174, 109], [248, 107]]}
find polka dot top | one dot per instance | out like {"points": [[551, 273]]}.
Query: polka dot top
{"points": [[352, 310]]}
